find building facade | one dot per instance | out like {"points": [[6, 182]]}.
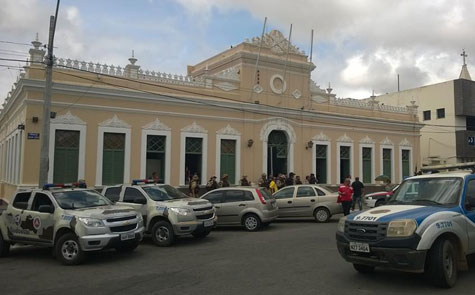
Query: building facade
{"points": [[447, 111], [248, 110]]}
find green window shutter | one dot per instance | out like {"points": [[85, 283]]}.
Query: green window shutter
{"points": [[321, 163], [367, 165], [345, 156], [228, 159], [113, 158], [406, 171], [66, 156], [387, 165], [155, 161]]}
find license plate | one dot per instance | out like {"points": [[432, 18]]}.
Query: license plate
{"points": [[208, 223], [359, 247], [127, 236]]}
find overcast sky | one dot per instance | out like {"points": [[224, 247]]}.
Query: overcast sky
{"points": [[360, 45]]}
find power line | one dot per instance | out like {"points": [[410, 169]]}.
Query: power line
{"points": [[16, 43]]}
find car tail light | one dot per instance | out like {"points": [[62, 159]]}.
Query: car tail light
{"points": [[261, 197]]}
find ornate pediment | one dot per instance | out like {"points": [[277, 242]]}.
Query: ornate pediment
{"points": [[232, 73], [156, 125], [367, 140], [405, 142], [226, 86], [344, 138], [228, 130], [68, 118], [386, 141], [276, 42], [114, 122], [194, 128], [321, 137]]}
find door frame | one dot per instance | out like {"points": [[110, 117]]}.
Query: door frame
{"points": [[237, 159], [329, 154], [372, 147], [143, 152]]}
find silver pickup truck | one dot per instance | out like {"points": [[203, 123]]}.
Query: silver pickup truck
{"points": [[72, 220]]}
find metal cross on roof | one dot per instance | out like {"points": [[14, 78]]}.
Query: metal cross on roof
{"points": [[463, 55]]}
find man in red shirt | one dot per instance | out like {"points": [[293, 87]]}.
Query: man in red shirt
{"points": [[345, 196]]}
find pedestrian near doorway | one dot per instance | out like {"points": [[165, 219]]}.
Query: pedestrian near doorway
{"points": [[297, 180], [313, 179], [224, 181], [280, 181], [273, 186], [212, 184], [345, 194], [358, 189], [263, 181], [244, 181], [290, 180], [307, 179], [194, 186]]}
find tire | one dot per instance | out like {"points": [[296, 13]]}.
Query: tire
{"points": [[4, 247], [361, 268], [201, 235], [163, 234], [68, 251], [127, 247], [379, 203], [442, 263], [252, 222], [321, 215]]}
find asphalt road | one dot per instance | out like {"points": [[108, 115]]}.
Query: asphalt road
{"points": [[291, 257]]}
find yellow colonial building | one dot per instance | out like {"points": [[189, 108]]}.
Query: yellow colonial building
{"points": [[250, 109]]}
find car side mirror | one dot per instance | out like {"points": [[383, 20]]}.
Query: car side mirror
{"points": [[140, 200], [46, 209]]}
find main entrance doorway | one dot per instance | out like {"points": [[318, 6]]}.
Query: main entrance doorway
{"points": [[277, 153]]}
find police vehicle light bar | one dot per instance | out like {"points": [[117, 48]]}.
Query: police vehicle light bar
{"points": [[65, 185], [142, 181]]}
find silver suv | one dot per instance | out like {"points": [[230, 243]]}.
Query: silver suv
{"points": [[250, 207]]}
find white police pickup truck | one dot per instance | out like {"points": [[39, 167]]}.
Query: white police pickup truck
{"points": [[427, 225]]}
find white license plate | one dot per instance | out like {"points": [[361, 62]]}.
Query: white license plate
{"points": [[208, 223], [359, 247], [127, 236]]}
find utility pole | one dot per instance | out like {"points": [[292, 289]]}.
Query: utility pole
{"points": [[44, 154]]}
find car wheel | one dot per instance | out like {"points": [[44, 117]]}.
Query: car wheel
{"points": [[201, 235], [321, 215], [4, 247], [163, 234], [379, 203], [442, 263], [68, 250], [128, 246], [361, 268], [252, 222]]}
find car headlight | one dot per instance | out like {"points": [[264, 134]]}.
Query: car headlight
{"points": [[180, 211], [139, 218], [369, 198], [91, 222], [341, 224], [401, 228]]}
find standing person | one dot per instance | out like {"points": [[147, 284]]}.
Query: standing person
{"points": [[273, 186], [212, 184], [280, 182], [224, 181], [290, 180], [262, 182], [297, 180], [244, 181], [307, 179], [358, 188], [313, 179], [194, 186], [345, 193]]}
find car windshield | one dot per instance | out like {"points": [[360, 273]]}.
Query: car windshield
{"points": [[80, 199], [443, 191], [163, 193], [265, 193]]}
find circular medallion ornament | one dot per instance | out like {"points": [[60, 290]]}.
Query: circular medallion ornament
{"points": [[277, 84]]}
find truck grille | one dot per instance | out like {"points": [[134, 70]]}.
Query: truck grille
{"points": [[118, 229], [206, 216], [203, 209], [365, 231], [121, 218]]}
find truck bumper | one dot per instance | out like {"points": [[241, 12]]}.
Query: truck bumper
{"points": [[402, 259], [189, 227], [103, 241]]}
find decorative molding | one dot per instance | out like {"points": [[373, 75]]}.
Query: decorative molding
{"points": [[276, 42], [297, 94], [386, 141], [228, 130], [367, 140], [321, 137], [194, 128], [226, 86], [156, 125], [231, 73], [344, 138], [278, 124], [272, 86], [68, 118], [405, 142], [257, 88], [114, 122]]}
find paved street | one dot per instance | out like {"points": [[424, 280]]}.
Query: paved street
{"points": [[292, 257]]}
